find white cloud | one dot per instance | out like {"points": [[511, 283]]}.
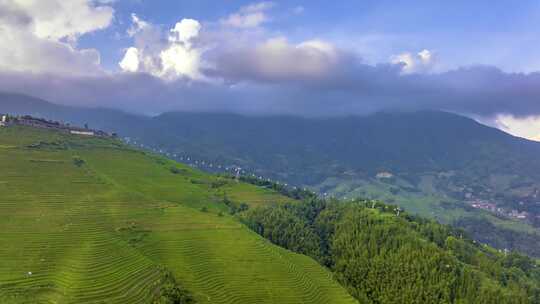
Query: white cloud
{"points": [[185, 30], [178, 57], [249, 16], [178, 61], [425, 56], [137, 25], [320, 47], [528, 127], [420, 62], [40, 36], [130, 62], [277, 59], [24, 52], [257, 7], [57, 19]]}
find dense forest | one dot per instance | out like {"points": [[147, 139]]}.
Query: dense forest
{"points": [[381, 254]]}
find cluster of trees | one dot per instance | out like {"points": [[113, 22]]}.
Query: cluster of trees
{"points": [[383, 257], [234, 207], [168, 291], [78, 161]]}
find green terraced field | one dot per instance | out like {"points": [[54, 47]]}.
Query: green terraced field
{"points": [[91, 221]]}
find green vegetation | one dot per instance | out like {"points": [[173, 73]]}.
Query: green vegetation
{"points": [[77, 161], [385, 258], [441, 163], [88, 220], [498, 231], [169, 292], [91, 220]]}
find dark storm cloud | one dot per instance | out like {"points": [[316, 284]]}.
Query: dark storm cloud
{"points": [[355, 89]]}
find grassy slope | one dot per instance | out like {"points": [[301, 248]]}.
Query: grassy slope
{"points": [[98, 233]]}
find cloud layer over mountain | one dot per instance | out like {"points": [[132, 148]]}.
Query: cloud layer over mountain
{"points": [[234, 64]]}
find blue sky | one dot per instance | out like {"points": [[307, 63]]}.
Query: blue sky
{"points": [[308, 58], [500, 33]]}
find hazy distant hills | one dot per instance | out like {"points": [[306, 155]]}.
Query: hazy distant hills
{"points": [[405, 143], [435, 163], [106, 119]]}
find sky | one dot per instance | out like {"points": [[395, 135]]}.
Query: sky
{"points": [[309, 58]]}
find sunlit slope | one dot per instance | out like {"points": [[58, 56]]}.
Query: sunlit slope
{"points": [[89, 221]]}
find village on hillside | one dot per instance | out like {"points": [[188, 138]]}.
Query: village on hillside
{"points": [[7, 120]]}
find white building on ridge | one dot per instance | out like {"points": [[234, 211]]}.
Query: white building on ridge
{"points": [[3, 121], [87, 133]]}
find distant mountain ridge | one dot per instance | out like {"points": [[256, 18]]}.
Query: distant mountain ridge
{"points": [[100, 118], [434, 163]]}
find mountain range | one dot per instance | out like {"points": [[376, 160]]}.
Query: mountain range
{"points": [[437, 164]]}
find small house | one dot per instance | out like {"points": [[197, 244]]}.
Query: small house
{"points": [[85, 133], [383, 175]]}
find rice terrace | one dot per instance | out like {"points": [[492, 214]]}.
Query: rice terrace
{"points": [[269, 152], [93, 221]]}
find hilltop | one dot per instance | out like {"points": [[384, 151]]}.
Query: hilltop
{"points": [[91, 220], [41, 123]]}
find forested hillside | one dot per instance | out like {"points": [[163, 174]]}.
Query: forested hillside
{"points": [[383, 255]]}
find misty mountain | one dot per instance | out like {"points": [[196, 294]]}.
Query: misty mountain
{"points": [[404, 143], [433, 163]]}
